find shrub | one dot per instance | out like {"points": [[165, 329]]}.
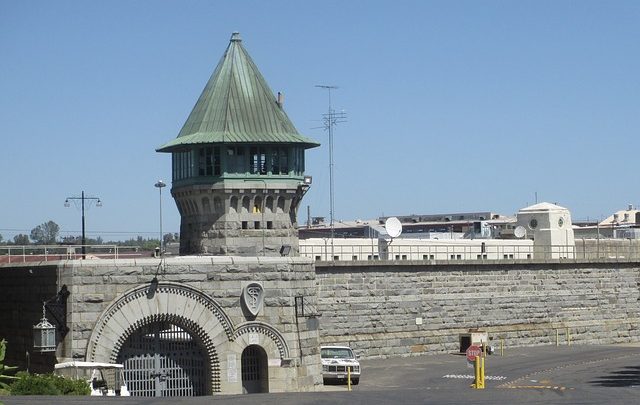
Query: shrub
{"points": [[33, 384], [68, 386], [48, 384]]}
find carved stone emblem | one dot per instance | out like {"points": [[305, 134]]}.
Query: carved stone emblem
{"points": [[252, 297]]}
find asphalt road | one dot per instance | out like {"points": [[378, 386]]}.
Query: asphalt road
{"points": [[539, 375]]}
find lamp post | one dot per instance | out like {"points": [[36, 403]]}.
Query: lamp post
{"points": [[160, 184], [82, 198]]}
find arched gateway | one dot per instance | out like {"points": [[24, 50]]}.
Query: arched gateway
{"points": [[171, 338]]}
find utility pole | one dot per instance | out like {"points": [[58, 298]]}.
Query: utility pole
{"points": [[82, 198], [330, 119]]}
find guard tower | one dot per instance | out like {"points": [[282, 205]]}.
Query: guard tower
{"points": [[550, 227], [238, 166]]}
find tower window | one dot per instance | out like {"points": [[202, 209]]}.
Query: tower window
{"points": [[235, 160], [209, 161], [182, 165], [280, 161], [258, 160]]}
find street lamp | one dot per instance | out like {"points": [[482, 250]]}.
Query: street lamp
{"points": [[160, 184], [83, 198]]}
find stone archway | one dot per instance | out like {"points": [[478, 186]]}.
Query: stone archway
{"points": [[172, 303], [255, 370]]}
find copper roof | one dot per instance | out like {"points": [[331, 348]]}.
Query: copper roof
{"points": [[237, 106]]}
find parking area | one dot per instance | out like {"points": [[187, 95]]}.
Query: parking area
{"points": [[537, 375]]}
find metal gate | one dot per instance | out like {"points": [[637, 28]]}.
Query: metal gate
{"points": [[162, 360], [255, 377]]}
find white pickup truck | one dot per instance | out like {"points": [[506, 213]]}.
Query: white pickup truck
{"points": [[338, 362]]}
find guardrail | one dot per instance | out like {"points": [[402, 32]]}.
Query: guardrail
{"points": [[479, 252], [46, 253]]}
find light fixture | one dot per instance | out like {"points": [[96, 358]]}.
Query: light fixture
{"points": [[153, 287], [285, 250], [308, 180], [44, 335]]}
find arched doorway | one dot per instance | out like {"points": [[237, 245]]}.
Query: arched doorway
{"points": [[255, 370], [161, 359]]}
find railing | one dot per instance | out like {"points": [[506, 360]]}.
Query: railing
{"points": [[478, 252], [46, 253]]}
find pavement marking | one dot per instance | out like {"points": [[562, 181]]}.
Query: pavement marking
{"points": [[472, 377], [546, 387]]}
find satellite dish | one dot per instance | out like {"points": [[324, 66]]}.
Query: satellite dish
{"points": [[393, 227], [520, 231]]}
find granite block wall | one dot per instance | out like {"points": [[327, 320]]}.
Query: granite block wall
{"points": [[412, 308]]}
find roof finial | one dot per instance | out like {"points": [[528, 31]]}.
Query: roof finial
{"points": [[235, 37]]}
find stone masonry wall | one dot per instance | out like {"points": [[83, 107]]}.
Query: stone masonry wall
{"points": [[376, 307], [94, 285]]}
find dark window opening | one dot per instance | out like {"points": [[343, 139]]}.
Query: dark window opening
{"points": [[235, 160], [209, 161], [245, 225]]}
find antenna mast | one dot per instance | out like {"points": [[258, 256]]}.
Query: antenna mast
{"points": [[330, 119]]}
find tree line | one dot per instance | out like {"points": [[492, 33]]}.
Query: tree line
{"points": [[48, 233]]}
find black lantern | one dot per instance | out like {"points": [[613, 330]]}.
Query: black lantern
{"points": [[44, 335]]}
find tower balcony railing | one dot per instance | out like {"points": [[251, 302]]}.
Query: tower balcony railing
{"points": [[46, 253]]}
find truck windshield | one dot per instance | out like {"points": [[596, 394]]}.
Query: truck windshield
{"points": [[336, 353]]}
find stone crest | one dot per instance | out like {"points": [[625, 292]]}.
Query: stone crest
{"points": [[253, 297]]}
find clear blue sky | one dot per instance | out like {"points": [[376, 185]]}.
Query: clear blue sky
{"points": [[453, 105]]}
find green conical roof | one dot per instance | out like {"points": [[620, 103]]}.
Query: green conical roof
{"points": [[236, 106]]}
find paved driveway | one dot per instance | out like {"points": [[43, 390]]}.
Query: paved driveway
{"points": [[539, 375]]}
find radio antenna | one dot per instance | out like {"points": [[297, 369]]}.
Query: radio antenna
{"points": [[330, 120]]}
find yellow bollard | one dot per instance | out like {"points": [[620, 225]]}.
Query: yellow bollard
{"points": [[479, 373], [349, 378], [557, 337]]}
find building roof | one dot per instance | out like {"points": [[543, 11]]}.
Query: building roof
{"points": [[543, 206], [623, 217], [236, 106]]}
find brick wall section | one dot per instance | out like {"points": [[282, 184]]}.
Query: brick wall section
{"points": [[23, 289], [373, 307]]}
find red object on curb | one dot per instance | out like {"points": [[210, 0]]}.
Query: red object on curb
{"points": [[472, 352]]}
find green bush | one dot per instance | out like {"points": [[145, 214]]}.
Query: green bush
{"points": [[48, 384]]}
